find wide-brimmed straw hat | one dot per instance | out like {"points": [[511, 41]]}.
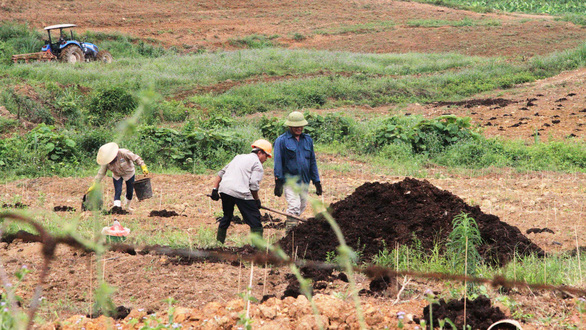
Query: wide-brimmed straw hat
{"points": [[107, 153]]}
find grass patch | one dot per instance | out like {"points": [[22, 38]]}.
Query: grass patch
{"points": [[255, 41], [457, 23], [377, 26]]}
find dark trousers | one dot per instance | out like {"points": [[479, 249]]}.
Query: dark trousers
{"points": [[248, 209], [118, 188]]}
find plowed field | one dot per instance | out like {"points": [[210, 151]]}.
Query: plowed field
{"points": [[208, 291]]}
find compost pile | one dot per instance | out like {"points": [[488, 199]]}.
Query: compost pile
{"points": [[383, 214]]}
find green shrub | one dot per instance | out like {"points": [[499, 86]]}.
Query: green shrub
{"points": [[90, 141], [17, 39], [6, 124], [195, 150], [329, 128], [69, 102], [110, 105], [216, 121], [174, 111], [424, 135], [9, 149], [51, 144], [271, 128], [6, 52]]}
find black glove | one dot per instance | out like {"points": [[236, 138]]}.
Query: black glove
{"points": [[215, 195], [279, 187], [258, 203], [318, 190]]}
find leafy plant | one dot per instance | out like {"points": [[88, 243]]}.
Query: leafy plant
{"points": [[424, 135], [52, 144], [271, 128], [217, 121], [329, 128], [462, 244]]}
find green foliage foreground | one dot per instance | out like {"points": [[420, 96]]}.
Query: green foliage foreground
{"points": [[401, 141]]}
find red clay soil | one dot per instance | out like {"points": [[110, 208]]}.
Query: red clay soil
{"points": [[339, 25], [383, 214]]}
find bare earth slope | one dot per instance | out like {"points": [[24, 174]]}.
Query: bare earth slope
{"points": [[375, 26]]}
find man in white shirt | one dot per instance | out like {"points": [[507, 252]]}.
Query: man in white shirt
{"points": [[237, 184]]}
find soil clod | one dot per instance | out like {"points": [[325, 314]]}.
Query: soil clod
{"points": [[17, 205], [163, 213], [63, 208], [116, 210], [540, 230]]}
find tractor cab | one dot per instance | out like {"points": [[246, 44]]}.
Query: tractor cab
{"points": [[64, 46], [60, 40]]}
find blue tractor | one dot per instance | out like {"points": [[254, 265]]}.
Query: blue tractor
{"points": [[69, 50]]}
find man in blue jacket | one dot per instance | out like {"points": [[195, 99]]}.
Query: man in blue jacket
{"points": [[294, 158]]}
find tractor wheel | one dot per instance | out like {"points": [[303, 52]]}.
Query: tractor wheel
{"points": [[71, 54], [104, 56]]}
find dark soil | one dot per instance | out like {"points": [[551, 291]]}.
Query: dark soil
{"points": [[17, 205], [539, 230], [22, 235], [163, 213], [379, 215], [293, 289], [479, 313], [269, 222], [498, 102], [382, 283], [119, 313], [116, 210], [236, 220], [64, 208]]}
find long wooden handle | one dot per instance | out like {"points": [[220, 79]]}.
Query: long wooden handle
{"points": [[278, 212], [283, 213]]}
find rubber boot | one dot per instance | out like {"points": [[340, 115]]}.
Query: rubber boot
{"points": [[221, 237], [258, 231]]}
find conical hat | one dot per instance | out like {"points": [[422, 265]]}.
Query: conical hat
{"points": [[107, 153]]}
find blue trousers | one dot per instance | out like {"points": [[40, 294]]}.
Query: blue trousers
{"points": [[118, 188]]}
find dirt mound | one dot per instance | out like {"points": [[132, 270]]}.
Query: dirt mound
{"points": [[479, 313], [379, 215], [163, 213]]}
